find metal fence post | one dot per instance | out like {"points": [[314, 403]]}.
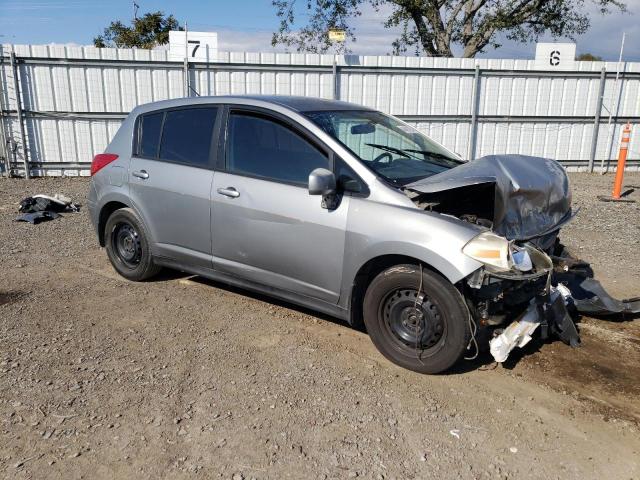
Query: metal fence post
{"points": [[185, 76], [473, 130], [336, 85], [23, 136], [3, 137], [596, 122]]}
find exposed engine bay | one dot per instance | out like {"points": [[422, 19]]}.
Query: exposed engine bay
{"points": [[529, 281]]}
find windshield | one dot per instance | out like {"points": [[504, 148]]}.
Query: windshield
{"points": [[398, 153]]}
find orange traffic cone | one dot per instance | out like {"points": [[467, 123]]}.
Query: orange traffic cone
{"points": [[616, 195]]}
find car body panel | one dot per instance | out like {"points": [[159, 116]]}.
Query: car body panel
{"points": [[279, 235], [108, 185], [102, 192], [308, 302], [433, 239], [174, 203]]}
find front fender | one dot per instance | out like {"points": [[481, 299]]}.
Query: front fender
{"points": [[377, 229]]}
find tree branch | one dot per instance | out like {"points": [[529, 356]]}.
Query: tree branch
{"points": [[434, 26], [426, 38], [453, 15]]}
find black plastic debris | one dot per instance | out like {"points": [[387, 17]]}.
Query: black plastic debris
{"points": [[588, 295], [37, 217], [45, 203], [42, 208], [560, 323]]}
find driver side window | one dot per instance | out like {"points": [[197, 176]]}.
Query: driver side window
{"points": [[263, 147]]}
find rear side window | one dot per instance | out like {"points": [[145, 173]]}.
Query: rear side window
{"points": [[265, 148], [186, 135], [150, 126]]}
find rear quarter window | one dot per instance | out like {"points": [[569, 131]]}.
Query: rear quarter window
{"points": [[150, 127]]}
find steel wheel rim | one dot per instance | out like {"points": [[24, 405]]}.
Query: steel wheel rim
{"points": [[413, 321], [127, 245]]}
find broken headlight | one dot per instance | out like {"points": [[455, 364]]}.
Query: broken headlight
{"points": [[498, 254], [490, 249], [521, 258]]}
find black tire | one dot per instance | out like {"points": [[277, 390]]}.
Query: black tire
{"points": [[127, 246], [426, 333]]}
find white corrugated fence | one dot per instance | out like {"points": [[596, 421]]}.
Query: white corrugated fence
{"points": [[61, 105]]}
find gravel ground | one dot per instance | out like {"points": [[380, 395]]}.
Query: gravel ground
{"points": [[182, 377], [607, 234]]}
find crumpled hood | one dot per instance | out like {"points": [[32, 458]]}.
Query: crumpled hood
{"points": [[532, 194]]}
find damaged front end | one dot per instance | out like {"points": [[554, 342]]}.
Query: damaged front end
{"points": [[549, 298], [525, 297], [528, 281]]}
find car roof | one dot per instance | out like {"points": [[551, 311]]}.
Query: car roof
{"points": [[307, 104], [295, 103]]}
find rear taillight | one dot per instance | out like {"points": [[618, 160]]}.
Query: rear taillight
{"points": [[102, 160]]}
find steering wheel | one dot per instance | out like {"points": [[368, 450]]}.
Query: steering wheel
{"points": [[379, 158]]}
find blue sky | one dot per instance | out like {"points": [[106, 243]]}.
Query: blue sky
{"points": [[246, 25]]}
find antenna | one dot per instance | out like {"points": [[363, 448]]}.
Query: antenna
{"points": [[617, 94], [135, 10]]}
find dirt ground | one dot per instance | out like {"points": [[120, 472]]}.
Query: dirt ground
{"points": [[182, 377]]}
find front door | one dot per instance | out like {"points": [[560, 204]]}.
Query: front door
{"points": [[266, 228], [170, 180]]}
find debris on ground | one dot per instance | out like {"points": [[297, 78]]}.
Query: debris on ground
{"points": [[35, 218], [42, 208], [45, 203]]}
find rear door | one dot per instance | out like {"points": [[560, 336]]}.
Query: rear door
{"points": [[266, 227], [170, 178]]}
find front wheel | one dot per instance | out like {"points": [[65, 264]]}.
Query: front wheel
{"points": [[416, 318]]}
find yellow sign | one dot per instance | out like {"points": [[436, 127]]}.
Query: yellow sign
{"points": [[337, 35]]}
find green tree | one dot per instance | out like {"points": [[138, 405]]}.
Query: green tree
{"points": [[588, 57], [148, 31], [434, 27]]}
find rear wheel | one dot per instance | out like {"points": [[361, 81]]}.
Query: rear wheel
{"points": [[417, 319], [128, 246]]}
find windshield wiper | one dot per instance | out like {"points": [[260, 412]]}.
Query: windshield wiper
{"points": [[387, 148], [434, 155], [403, 152]]}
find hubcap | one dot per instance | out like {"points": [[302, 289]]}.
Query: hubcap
{"points": [[127, 244], [413, 320]]}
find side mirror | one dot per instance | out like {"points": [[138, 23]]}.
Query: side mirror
{"points": [[322, 182]]}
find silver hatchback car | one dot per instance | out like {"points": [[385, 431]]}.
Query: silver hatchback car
{"points": [[338, 208]]}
